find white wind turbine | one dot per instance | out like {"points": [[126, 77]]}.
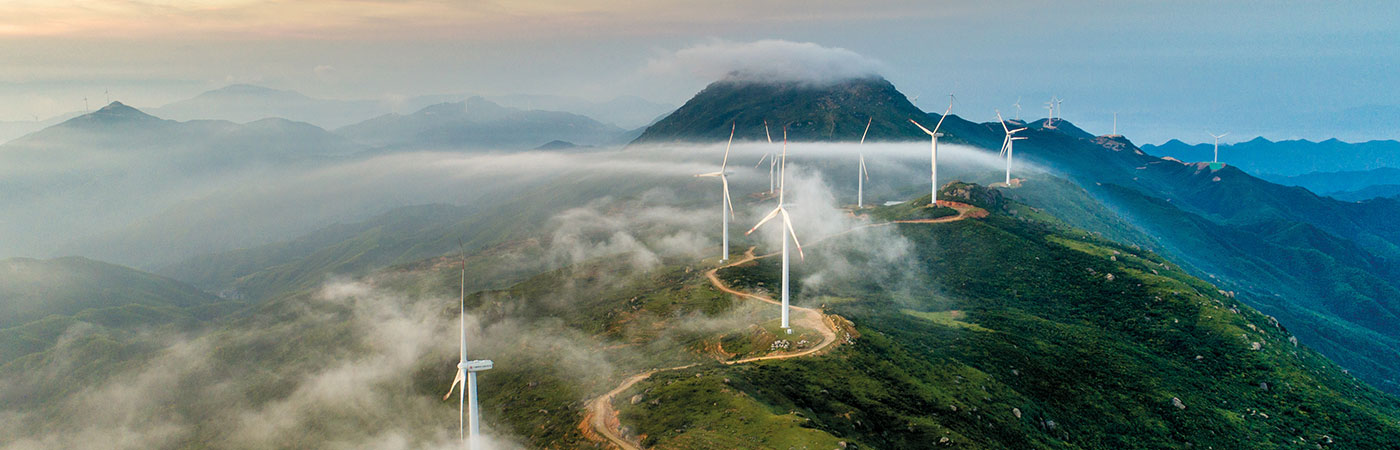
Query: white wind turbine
{"points": [[725, 205], [1217, 145], [772, 161], [466, 372], [1018, 109], [1007, 144], [933, 151], [861, 173], [786, 231]]}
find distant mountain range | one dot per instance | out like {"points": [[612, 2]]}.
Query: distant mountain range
{"points": [[1349, 185], [478, 124], [1261, 156], [246, 103], [118, 164]]}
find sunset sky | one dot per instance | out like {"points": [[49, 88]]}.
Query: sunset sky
{"points": [[1169, 69]]}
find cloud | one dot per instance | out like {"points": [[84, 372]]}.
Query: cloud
{"points": [[766, 61]]}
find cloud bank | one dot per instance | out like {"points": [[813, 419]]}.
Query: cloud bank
{"points": [[766, 61]]}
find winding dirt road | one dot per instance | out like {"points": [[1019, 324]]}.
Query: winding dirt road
{"points": [[601, 421]]}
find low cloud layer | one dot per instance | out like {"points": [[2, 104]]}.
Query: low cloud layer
{"points": [[766, 61]]}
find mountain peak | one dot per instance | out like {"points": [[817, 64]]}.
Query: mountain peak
{"points": [[1061, 126], [116, 112], [835, 111]]}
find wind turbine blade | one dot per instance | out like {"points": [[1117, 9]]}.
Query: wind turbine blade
{"points": [[727, 202], [787, 222], [766, 133], [1226, 134], [725, 162], [455, 381], [1003, 123], [921, 127], [710, 174], [782, 171], [867, 129], [766, 218], [1018, 130], [940, 118], [760, 160]]}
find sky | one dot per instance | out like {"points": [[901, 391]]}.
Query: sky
{"points": [[1278, 69]]}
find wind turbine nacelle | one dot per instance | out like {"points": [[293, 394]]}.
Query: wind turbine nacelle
{"points": [[478, 365]]}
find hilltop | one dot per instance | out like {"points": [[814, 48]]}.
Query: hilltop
{"points": [[812, 112]]}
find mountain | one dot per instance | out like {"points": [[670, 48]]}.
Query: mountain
{"points": [[42, 301], [812, 112], [115, 165], [1288, 158], [32, 289], [625, 111], [1346, 185], [10, 130], [1077, 342], [1367, 193], [478, 124], [1326, 267], [246, 103]]}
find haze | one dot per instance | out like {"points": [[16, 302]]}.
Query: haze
{"points": [[1170, 70]]}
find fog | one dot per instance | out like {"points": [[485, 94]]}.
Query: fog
{"points": [[359, 363], [131, 220]]}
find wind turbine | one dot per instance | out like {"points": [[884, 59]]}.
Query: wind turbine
{"points": [[772, 160], [1006, 145], [1018, 109], [1217, 145], [1059, 111], [1050, 106], [466, 371], [861, 173], [933, 151], [786, 231], [725, 204]]}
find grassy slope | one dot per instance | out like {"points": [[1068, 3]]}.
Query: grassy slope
{"points": [[1087, 361]]}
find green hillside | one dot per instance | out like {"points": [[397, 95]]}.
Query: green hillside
{"points": [[31, 289], [1020, 335]]}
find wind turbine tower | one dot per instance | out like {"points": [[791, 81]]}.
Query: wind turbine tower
{"points": [[1006, 145], [726, 208], [785, 232], [861, 173], [933, 151], [1216, 159], [466, 371]]}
